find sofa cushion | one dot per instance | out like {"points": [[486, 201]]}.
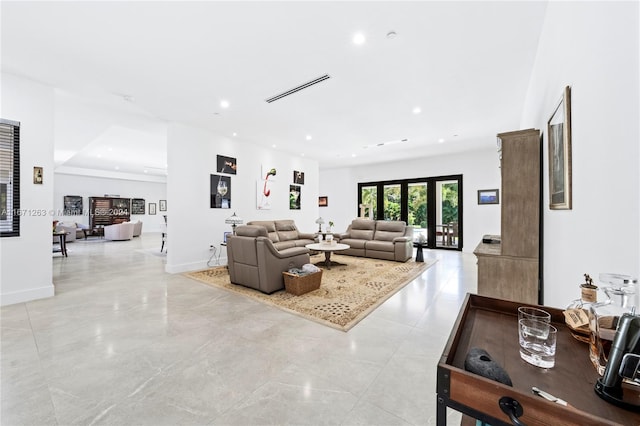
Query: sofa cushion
{"points": [[361, 234], [251, 231], [363, 224], [387, 230], [379, 245], [354, 243], [270, 226], [285, 225]]}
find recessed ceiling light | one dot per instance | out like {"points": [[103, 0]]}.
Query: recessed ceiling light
{"points": [[417, 110], [235, 134], [109, 149], [146, 171], [359, 38], [302, 155], [441, 140], [117, 167], [274, 145], [392, 34], [224, 104], [99, 155], [353, 155], [308, 137]]}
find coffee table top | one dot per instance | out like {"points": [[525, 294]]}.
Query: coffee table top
{"points": [[327, 247]]}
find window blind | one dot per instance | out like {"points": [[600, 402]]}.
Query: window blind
{"points": [[9, 178]]}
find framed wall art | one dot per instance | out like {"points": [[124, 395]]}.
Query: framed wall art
{"points": [[488, 196], [162, 205], [220, 194], [559, 138], [294, 197], [72, 205], [227, 165], [137, 206], [37, 175], [152, 208], [323, 201], [298, 177]]}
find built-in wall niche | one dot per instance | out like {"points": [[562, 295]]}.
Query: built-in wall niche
{"points": [[107, 210]]}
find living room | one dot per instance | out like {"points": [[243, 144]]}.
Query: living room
{"points": [[595, 166], [592, 47]]}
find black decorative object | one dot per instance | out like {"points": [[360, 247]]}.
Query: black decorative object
{"points": [[478, 361]]}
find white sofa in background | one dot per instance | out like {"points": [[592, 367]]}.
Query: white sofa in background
{"points": [[119, 232], [137, 228]]}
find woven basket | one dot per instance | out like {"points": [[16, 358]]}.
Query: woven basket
{"points": [[299, 285]]}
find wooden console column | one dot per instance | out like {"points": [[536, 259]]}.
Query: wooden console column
{"points": [[510, 270]]}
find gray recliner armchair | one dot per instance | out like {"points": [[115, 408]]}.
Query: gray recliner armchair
{"points": [[254, 262]]}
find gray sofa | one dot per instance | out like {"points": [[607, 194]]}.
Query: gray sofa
{"points": [[284, 233], [254, 261], [379, 239]]}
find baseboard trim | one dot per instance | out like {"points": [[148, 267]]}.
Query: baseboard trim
{"points": [[193, 266], [27, 295]]}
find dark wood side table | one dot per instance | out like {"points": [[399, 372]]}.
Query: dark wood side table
{"points": [[419, 254], [63, 241], [491, 324]]}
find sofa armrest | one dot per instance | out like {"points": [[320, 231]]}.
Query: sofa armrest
{"points": [[306, 236], [341, 235], [401, 239]]}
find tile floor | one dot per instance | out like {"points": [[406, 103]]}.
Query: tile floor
{"points": [[124, 343]]}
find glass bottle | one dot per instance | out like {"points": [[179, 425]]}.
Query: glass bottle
{"points": [[603, 316]]}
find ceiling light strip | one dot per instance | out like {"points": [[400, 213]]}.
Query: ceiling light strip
{"points": [[296, 89]]}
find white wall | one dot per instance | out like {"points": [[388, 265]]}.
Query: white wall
{"points": [[193, 225], [26, 261], [593, 47], [89, 186], [479, 170]]}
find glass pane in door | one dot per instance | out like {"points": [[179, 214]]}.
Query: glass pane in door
{"points": [[417, 209], [369, 202], [447, 213], [392, 201]]}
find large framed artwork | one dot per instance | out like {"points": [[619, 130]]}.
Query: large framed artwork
{"points": [[220, 192], [72, 205], [559, 138]]}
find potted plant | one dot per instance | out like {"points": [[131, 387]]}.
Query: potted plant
{"points": [[329, 228]]}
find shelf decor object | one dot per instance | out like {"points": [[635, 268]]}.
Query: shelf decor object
{"points": [[559, 136]]}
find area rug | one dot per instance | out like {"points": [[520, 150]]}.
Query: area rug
{"points": [[347, 294]]}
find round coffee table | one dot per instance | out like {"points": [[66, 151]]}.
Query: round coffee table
{"points": [[327, 249]]}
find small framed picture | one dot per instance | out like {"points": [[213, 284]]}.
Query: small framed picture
{"points": [[163, 205], [488, 196], [323, 201], [37, 175], [152, 208], [226, 235]]}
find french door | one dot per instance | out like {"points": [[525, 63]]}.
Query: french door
{"points": [[432, 206]]}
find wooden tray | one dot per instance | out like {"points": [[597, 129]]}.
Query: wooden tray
{"points": [[491, 324]]}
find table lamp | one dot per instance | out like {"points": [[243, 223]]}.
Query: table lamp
{"points": [[320, 222], [234, 221]]}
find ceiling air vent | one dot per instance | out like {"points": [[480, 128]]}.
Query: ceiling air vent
{"points": [[298, 88]]}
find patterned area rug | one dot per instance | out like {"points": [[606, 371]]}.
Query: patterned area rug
{"points": [[347, 294]]}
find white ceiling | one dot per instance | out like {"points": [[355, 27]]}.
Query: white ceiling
{"points": [[466, 65]]}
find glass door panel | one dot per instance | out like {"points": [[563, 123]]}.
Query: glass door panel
{"points": [[392, 200], [447, 220], [417, 209], [369, 202]]}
